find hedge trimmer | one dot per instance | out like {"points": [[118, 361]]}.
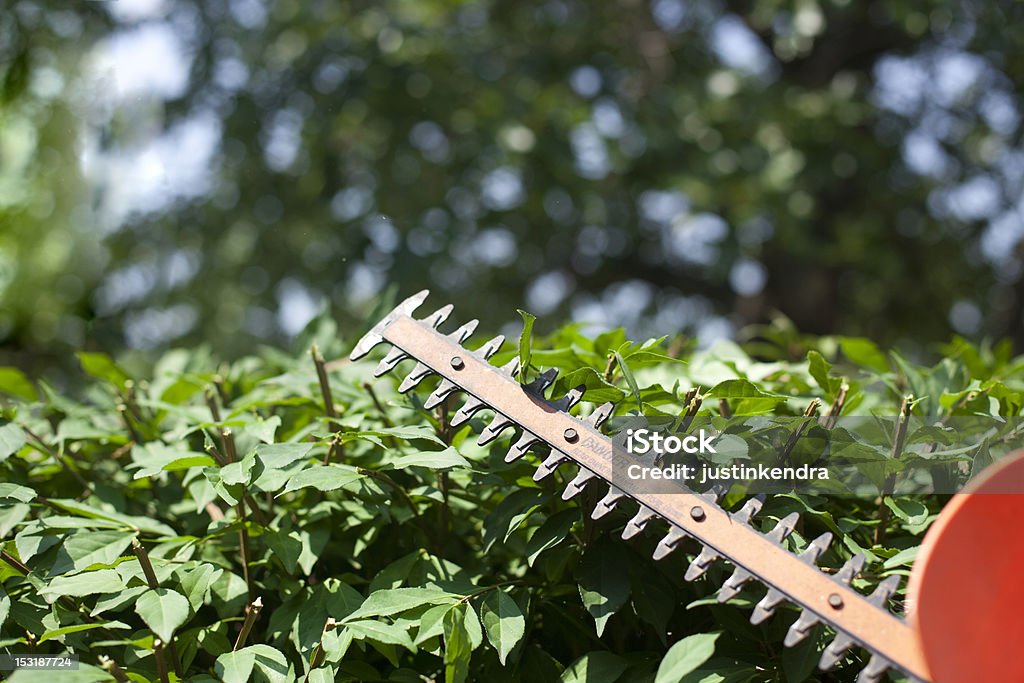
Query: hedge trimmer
{"points": [[965, 590]]}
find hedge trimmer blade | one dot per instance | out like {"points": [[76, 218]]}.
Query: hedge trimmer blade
{"points": [[858, 620], [966, 593]]}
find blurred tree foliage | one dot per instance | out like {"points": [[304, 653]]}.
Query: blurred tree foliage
{"points": [[194, 169]]}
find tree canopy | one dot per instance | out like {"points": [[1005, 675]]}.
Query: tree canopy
{"points": [[177, 170]]}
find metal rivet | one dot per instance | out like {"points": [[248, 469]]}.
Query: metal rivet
{"points": [[571, 435], [697, 512], [458, 363], [835, 600]]}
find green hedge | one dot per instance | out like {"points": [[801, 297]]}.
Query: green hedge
{"points": [[383, 546]]}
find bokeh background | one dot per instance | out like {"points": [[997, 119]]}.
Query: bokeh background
{"points": [[221, 171]]}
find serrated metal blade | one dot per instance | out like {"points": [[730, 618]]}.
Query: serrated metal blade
{"points": [[750, 508], [767, 606], [851, 569], [470, 408], [639, 521], [390, 361], [375, 335], [701, 563], [835, 651], [517, 450], [571, 398], [445, 389], [608, 503], [549, 465], [494, 429], [801, 628], [578, 483], [600, 415], [784, 528], [539, 385], [873, 672], [419, 373], [734, 584], [491, 347], [669, 543]]}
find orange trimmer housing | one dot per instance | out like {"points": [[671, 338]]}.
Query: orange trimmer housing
{"points": [[966, 592]]}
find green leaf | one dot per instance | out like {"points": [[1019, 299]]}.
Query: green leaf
{"points": [[864, 352], [436, 460], [86, 583], [595, 667], [264, 430], [503, 621], [16, 492], [910, 511], [627, 373], [800, 661], [89, 547], [685, 657], [101, 366], [78, 628], [603, 583], [819, 369], [163, 610], [235, 667], [525, 345], [13, 382], [552, 532], [457, 647], [391, 601], [380, 632], [740, 389], [196, 583], [12, 438], [5, 606], [323, 478], [278, 455]]}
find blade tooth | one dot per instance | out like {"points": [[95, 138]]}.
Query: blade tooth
{"points": [[815, 549], [576, 485], [374, 336], [571, 398], [734, 584], [445, 389], [749, 509], [523, 444], [801, 628], [784, 528], [639, 521], [851, 568], [873, 672], [884, 591], [491, 347], [464, 331], [467, 411], [608, 503], [511, 368], [701, 563], [418, 374], [835, 651], [766, 608], [669, 543], [716, 491], [390, 361], [538, 386], [549, 465], [439, 316], [602, 413], [493, 430]]}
